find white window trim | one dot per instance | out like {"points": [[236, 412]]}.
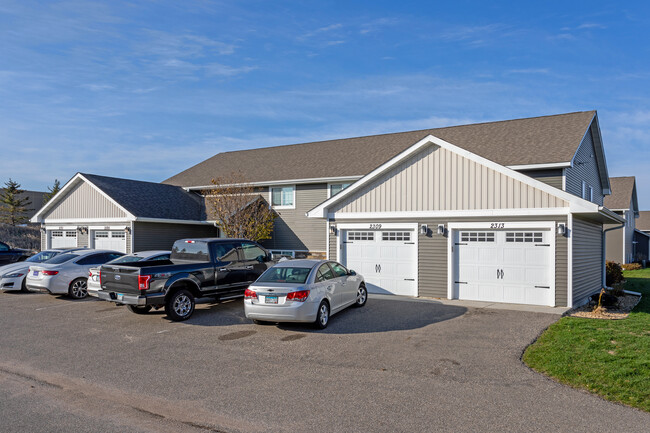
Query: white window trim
{"points": [[282, 186], [329, 186]]}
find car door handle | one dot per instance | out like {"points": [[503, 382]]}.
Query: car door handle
{"points": [[330, 288], [222, 269], [249, 267]]}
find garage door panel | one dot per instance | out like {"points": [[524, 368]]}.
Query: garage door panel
{"points": [[110, 240]]}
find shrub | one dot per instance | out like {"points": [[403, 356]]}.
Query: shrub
{"points": [[614, 273], [632, 266]]}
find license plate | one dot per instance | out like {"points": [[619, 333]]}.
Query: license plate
{"points": [[270, 299], [35, 273], [120, 296]]}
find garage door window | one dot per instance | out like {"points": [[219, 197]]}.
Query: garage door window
{"points": [[524, 237], [71, 234], [118, 235], [477, 236], [396, 236], [101, 234], [57, 234], [361, 236]]}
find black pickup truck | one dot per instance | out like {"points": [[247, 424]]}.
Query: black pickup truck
{"points": [[215, 267], [11, 255]]}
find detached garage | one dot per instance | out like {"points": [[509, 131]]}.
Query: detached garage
{"points": [[119, 214], [440, 221]]}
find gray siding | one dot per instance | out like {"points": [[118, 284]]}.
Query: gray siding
{"points": [[549, 177], [587, 238], [642, 246], [161, 236], [292, 230], [630, 227], [585, 169], [614, 244], [84, 201], [432, 254], [43, 240]]}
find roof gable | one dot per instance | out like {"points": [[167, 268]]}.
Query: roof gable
{"points": [[520, 142], [643, 222], [81, 200]]}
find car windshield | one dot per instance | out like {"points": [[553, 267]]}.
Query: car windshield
{"points": [[61, 258], [283, 274], [42, 256], [125, 259]]}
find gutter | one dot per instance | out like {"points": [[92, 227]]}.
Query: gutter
{"points": [[604, 252]]}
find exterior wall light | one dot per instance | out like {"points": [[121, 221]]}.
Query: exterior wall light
{"points": [[333, 230], [561, 229], [441, 229]]}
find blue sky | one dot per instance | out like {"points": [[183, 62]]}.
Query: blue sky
{"points": [[145, 89]]}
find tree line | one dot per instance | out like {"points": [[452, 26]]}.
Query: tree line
{"points": [[14, 204]]}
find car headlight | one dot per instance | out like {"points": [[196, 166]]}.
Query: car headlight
{"points": [[14, 275]]}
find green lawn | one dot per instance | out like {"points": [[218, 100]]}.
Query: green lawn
{"points": [[607, 357]]}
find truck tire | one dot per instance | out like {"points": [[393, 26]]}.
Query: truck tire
{"points": [[180, 305], [139, 309]]}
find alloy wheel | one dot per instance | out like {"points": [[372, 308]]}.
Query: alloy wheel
{"points": [[182, 305], [79, 289]]}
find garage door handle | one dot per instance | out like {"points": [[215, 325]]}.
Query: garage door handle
{"points": [[460, 282], [542, 287], [542, 245], [409, 279]]}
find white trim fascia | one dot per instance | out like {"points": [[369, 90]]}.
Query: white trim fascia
{"points": [[564, 179], [293, 206], [281, 182], [453, 214], [327, 240], [86, 220], [132, 227], [569, 265], [575, 203], [172, 221], [539, 166], [611, 215], [101, 228], [61, 228], [453, 227]]}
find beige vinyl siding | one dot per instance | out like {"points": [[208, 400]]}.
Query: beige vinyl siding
{"points": [[292, 230], [43, 240], [438, 179], [587, 238], [433, 260], [84, 201], [549, 177], [161, 236], [83, 239], [614, 243], [585, 168]]}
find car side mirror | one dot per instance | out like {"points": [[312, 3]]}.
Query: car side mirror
{"points": [[351, 272]]}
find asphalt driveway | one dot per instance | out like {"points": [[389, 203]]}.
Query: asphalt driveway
{"points": [[394, 365]]}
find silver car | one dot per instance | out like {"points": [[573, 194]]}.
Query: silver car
{"points": [[12, 277], [94, 284], [304, 291], [67, 273]]}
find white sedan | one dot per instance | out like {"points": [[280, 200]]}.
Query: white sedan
{"points": [[67, 273], [304, 291], [12, 277], [94, 284]]}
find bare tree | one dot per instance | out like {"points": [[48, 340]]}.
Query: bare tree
{"points": [[239, 209]]}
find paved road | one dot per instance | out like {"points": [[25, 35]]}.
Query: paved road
{"points": [[393, 366]]}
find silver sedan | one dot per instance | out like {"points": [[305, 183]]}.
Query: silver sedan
{"points": [[12, 277], [304, 291]]}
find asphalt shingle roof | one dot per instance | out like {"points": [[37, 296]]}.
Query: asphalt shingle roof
{"points": [[149, 199], [537, 140], [622, 192], [643, 222]]}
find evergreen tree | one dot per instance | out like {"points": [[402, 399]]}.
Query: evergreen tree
{"points": [[53, 190], [13, 207]]}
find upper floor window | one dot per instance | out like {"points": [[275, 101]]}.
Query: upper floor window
{"points": [[587, 191], [283, 196], [336, 188]]}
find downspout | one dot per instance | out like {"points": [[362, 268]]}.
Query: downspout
{"points": [[604, 251]]}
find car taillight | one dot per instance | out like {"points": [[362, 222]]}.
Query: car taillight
{"points": [[50, 272], [99, 276], [143, 282], [249, 294], [300, 296]]}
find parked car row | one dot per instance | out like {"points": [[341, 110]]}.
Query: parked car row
{"points": [[284, 291]]}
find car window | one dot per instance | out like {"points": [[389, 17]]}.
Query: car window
{"points": [[125, 259], [195, 251], [252, 251], [160, 257], [227, 252], [4, 247], [93, 259], [62, 258], [42, 256], [112, 256], [324, 273], [285, 275], [339, 270]]}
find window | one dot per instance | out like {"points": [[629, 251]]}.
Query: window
{"points": [[587, 191], [226, 252], [283, 196], [160, 257], [336, 188], [524, 237], [111, 256], [477, 236], [118, 235], [396, 236], [194, 251], [62, 258], [252, 252], [71, 234], [99, 235], [324, 273], [339, 270], [57, 234], [283, 253], [40, 257], [279, 274], [93, 259], [361, 236]]}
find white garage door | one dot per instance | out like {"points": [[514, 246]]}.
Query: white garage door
{"points": [[514, 266], [387, 259], [110, 240], [63, 238]]}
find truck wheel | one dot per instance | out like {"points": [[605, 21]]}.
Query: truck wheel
{"points": [[78, 288], [139, 309], [180, 305]]}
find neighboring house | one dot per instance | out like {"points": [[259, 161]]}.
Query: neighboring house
{"points": [[507, 211], [621, 246], [36, 198], [643, 228], [119, 214]]}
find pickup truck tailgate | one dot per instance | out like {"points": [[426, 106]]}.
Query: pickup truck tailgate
{"points": [[121, 279]]}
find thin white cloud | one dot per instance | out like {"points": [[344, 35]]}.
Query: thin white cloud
{"points": [[227, 71], [529, 71]]}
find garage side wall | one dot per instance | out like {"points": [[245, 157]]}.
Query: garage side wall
{"points": [[587, 238], [614, 243], [161, 236]]}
